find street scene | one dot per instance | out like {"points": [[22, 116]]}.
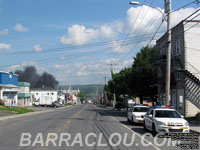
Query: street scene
{"points": [[99, 75]]}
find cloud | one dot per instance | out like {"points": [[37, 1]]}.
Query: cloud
{"points": [[37, 48], [4, 32], [23, 64], [58, 66], [82, 73], [4, 46], [141, 25], [79, 34], [20, 28]]}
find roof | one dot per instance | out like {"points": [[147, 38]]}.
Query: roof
{"points": [[44, 89], [9, 72], [8, 86]]}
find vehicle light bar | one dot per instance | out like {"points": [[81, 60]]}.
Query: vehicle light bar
{"points": [[162, 106]]}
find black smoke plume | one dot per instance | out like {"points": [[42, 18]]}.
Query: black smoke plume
{"points": [[29, 74]]}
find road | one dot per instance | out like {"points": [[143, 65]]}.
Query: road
{"points": [[84, 127]]}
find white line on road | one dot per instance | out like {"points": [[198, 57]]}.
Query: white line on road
{"points": [[150, 143]]}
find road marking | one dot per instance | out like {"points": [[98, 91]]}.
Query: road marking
{"points": [[150, 143]]}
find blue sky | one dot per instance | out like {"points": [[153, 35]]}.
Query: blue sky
{"points": [[58, 36]]}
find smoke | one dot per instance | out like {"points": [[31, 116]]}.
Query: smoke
{"points": [[36, 80]]}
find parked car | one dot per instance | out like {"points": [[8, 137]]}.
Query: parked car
{"points": [[136, 113], [164, 120], [57, 104], [94, 103]]}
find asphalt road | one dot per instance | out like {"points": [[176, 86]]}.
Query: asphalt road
{"points": [[84, 127]]}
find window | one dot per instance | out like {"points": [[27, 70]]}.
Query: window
{"points": [[47, 93], [167, 114], [36, 93], [178, 47], [141, 109], [52, 93], [178, 75]]}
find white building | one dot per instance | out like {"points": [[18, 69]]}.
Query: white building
{"points": [[39, 93]]}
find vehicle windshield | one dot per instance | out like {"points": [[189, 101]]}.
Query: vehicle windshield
{"points": [[140, 109], [167, 114]]}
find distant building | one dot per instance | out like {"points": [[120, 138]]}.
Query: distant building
{"points": [[24, 95], [9, 88], [185, 67], [40, 93], [72, 95]]}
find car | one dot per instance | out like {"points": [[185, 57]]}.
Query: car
{"points": [[94, 103], [57, 104], [164, 119], [136, 113]]}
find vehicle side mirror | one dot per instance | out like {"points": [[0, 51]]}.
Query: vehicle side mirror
{"points": [[182, 116]]}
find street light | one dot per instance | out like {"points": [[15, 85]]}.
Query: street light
{"points": [[137, 3], [168, 63]]}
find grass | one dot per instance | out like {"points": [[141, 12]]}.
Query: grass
{"points": [[18, 110], [67, 105]]}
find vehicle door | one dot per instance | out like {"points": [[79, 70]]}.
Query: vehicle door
{"points": [[130, 113], [148, 118]]}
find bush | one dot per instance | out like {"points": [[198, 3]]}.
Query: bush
{"points": [[2, 103]]}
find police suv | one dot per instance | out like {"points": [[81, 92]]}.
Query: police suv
{"points": [[164, 120], [136, 113]]}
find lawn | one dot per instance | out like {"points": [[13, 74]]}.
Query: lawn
{"points": [[18, 110]]}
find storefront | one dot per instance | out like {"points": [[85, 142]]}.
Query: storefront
{"points": [[8, 88]]}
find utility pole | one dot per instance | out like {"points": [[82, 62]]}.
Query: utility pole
{"points": [[112, 68], [105, 97], [168, 53]]}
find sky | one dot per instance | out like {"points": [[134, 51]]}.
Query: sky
{"points": [[76, 41]]}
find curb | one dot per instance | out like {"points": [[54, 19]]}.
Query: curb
{"points": [[195, 131], [29, 114]]}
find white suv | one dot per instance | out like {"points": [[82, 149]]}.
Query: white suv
{"points": [[165, 120], [136, 113]]}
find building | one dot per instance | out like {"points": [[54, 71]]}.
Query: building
{"points": [[24, 95], [72, 96], [9, 88], [40, 93], [185, 67]]}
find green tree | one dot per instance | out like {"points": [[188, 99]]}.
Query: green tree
{"points": [[138, 80], [144, 74], [82, 96]]}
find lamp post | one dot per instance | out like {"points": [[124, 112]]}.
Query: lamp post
{"points": [[168, 53]]}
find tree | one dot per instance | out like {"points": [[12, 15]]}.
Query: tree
{"points": [[138, 80], [82, 96], [144, 74]]}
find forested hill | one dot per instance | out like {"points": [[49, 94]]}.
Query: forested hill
{"points": [[88, 89]]}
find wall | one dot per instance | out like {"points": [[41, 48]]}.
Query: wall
{"points": [[8, 78], [38, 94], [192, 45]]}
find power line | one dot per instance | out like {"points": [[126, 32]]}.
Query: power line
{"points": [[69, 48], [67, 57], [131, 27]]}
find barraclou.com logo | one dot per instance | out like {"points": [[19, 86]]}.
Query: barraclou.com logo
{"points": [[91, 139]]}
